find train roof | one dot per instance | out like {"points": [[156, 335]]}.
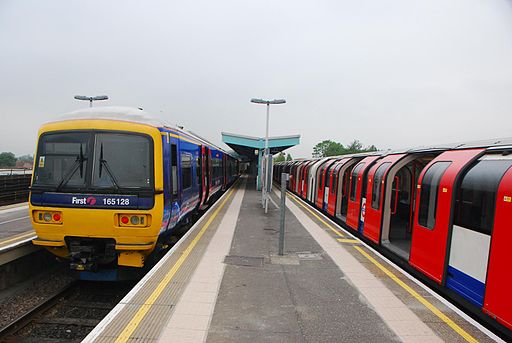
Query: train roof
{"points": [[135, 115]]}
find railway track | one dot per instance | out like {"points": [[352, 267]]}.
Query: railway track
{"points": [[67, 316]]}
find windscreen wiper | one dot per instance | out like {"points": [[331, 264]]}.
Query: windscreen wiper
{"points": [[104, 162], [79, 164]]}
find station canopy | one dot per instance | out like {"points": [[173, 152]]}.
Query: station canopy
{"points": [[250, 148]]}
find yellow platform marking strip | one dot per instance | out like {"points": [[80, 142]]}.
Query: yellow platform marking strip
{"points": [[19, 237], [348, 240], [337, 232], [418, 297], [393, 277], [124, 336]]}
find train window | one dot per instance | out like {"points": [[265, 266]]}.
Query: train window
{"points": [[186, 170], [217, 167], [428, 195], [476, 196], [174, 169], [353, 181], [62, 156], [377, 184], [122, 160]]}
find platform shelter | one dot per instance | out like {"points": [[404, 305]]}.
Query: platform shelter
{"points": [[251, 149]]}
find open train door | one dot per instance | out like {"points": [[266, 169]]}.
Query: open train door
{"points": [[375, 195], [357, 198], [433, 211]]}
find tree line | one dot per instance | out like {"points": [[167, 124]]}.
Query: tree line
{"points": [[8, 159], [332, 148]]}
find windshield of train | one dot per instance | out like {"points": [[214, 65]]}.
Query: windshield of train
{"points": [[93, 161]]}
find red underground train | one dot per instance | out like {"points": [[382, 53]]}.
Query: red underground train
{"points": [[443, 213]]}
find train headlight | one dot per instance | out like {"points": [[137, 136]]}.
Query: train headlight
{"points": [[47, 217], [134, 220]]}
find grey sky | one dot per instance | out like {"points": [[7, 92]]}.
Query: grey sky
{"points": [[393, 73]]}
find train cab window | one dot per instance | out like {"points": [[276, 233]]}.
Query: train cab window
{"points": [[476, 196], [429, 192], [353, 181], [62, 159], [186, 170], [174, 169], [377, 184], [122, 161]]}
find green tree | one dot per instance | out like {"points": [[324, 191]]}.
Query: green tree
{"points": [[7, 159], [328, 148], [331, 148], [280, 157], [289, 157]]}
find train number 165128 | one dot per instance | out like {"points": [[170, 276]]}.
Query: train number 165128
{"points": [[116, 201]]}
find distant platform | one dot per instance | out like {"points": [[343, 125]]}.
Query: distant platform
{"points": [[225, 282]]}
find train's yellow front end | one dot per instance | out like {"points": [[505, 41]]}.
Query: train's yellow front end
{"points": [[97, 192]]}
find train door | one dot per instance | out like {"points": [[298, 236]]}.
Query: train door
{"points": [[313, 179], [298, 174], [208, 169], [224, 171], [497, 301], [204, 177], [323, 192], [357, 198], [433, 211], [343, 188], [298, 166], [376, 190], [332, 187], [305, 176], [470, 240], [398, 202]]}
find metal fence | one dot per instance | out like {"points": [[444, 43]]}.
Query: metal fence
{"points": [[14, 187], [15, 171]]}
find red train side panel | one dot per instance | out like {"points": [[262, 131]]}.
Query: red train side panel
{"points": [[497, 301], [428, 248], [356, 186]]}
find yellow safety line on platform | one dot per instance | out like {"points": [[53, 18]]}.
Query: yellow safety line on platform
{"points": [[144, 309], [402, 284], [418, 297], [348, 240], [337, 232], [15, 238]]}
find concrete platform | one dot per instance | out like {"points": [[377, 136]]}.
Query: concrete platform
{"points": [[15, 230], [224, 282]]}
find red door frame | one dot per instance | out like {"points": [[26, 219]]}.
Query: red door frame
{"points": [[305, 176], [373, 217], [354, 207], [333, 187], [429, 246], [319, 201], [497, 300], [204, 186]]}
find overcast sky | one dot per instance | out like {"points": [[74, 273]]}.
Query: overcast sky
{"points": [[393, 73]]}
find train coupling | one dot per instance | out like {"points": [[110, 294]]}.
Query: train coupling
{"points": [[87, 254]]}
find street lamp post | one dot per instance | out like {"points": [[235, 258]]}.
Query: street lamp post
{"points": [[91, 98], [265, 184]]}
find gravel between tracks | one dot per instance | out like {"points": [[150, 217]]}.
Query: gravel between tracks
{"points": [[24, 297]]}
